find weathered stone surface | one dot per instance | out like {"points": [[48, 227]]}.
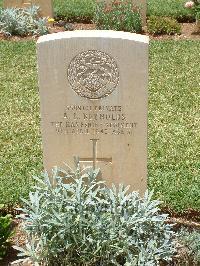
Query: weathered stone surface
{"points": [[93, 88], [45, 5]]}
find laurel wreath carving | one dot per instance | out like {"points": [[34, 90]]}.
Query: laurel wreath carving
{"points": [[93, 74]]}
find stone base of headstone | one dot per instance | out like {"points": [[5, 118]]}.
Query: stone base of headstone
{"points": [[46, 6]]}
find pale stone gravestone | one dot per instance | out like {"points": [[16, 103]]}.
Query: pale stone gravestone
{"points": [[141, 4], [46, 7], [93, 89]]}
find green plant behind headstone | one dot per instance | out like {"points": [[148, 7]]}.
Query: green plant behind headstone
{"points": [[163, 25], [74, 10], [118, 15]]}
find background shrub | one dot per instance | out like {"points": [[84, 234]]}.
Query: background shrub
{"points": [[74, 10], [163, 25], [5, 234], [83, 10], [79, 221], [170, 8], [22, 22], [120, 15]]}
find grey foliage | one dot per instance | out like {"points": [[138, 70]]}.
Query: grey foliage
{"points": [[22, 22], [191, 240], [78, 220]]}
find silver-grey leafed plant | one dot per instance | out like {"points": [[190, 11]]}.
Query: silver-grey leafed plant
{"points": [[191, 241], [78, 220], [22, 22]]}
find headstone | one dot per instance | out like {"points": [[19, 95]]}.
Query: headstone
{"points": [[46, 7], [93, 89], [141, 4]]}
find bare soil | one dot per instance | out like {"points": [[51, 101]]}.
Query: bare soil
{"points": [[189, 31]]}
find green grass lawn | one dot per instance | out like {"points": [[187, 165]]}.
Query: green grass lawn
{"points": [[174, 122], [174, 104], [20, 152]]}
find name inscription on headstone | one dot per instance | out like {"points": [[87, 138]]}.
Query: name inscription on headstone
{"points": [[82, 119]]}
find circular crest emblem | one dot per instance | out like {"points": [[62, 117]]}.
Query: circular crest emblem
{"points": [[93, 74]]}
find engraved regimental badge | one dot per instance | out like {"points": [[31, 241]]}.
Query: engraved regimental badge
{"points": [[93, 74]]}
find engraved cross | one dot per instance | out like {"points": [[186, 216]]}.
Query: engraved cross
{"points": [[94, 158]]}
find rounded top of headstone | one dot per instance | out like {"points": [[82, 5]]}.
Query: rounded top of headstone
{"points": [[95, 34]]}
